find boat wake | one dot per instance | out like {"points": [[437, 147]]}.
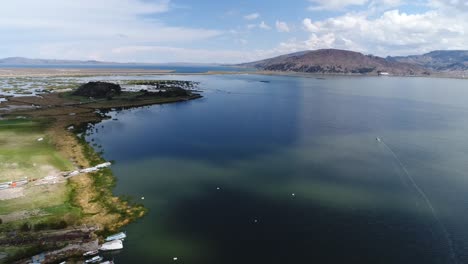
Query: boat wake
{"points": [[423, 195]]}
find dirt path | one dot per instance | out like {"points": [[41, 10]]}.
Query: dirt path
{"points": [[11, 193]]}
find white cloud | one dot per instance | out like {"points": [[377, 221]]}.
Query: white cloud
{"points": [[282, 26], [252, 16], [165, 53], [335, 4], [264, 25], [309, 26], [450, 5], [393, 32], [71, 24]]}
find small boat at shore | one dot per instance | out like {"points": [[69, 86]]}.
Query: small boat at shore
{"points": [[118, 236], [112, 245], [91, 253], [108, 262], [95, 259]]}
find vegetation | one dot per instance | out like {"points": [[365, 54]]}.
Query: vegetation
{"points": [[163, 84], [98, 90], [37, 145]]}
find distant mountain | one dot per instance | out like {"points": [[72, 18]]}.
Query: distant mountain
{"points": [[334, 61], [439, 60], [27, 61]]}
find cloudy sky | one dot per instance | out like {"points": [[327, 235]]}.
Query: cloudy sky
{"points": [[226, 31]]}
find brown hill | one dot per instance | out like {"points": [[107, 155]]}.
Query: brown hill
{"points": [[333, 61]]}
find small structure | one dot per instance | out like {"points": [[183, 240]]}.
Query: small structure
{"points": [[5, 185], [382, 73], [88, 170], [38, 258]]}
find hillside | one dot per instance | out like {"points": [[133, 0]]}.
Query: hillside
{"points": [[333, 61], [440, 60]]}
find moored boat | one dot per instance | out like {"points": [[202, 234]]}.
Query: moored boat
{"points": [[91, 253], [118, 236], [112, 245], [95, 259]]}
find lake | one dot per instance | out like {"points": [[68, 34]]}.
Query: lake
{"points": [[275, 169]]}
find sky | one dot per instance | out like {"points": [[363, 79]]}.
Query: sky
{"points": [[209, 31]]}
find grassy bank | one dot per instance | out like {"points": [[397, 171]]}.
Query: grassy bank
{"points": [[27, 151], [36, 145]]}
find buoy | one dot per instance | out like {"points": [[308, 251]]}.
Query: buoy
{"points": [[293, 194], [143, 198], [217, 188], [175, 258]]}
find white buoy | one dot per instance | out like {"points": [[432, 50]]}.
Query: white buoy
{"points": [[217, 188], [293, 194], [143, 198], [175, 258]]}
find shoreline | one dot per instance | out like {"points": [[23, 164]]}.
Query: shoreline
{"points": [[92, 192], [25, 72]]}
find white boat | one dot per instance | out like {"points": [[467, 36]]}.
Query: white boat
{"points": [[94, 259], [112, 245], [108, 262], [91, 253], [118, 236], [378, 139]]}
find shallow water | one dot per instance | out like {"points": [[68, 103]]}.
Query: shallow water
{"points": [[290, 171]]}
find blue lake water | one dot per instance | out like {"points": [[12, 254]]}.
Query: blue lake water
{"points": [[272, 169]]}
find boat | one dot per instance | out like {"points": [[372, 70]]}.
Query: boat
{"points": [[95, 259], [378, 139], [91, 253], [118, 236], [112, 245], [108, 262]]}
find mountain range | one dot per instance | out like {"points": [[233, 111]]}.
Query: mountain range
{"points": [[334, 61], [323, 61], [27, 61], [439, 60]]}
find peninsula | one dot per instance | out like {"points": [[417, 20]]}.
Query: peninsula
{"points": [[56, 190]]}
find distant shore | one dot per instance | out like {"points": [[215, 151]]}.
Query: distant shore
{"points": [[85, 72], [75, 72]]}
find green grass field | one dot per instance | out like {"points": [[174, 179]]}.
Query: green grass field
{"points": [[23, 155]]}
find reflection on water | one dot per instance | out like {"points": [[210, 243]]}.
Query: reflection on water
{"points": [[290, 171]]}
